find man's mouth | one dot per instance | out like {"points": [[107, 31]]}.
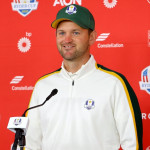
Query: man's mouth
{"points": [[68, 46]]}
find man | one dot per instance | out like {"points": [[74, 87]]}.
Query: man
{"points": [[95, 108]]}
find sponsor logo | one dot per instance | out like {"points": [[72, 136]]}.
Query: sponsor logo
{"points": [[71, 10], [148, 38], [111, 4], [69, 2], [102, 37], [148, 148], [22, 88], [24, 7], [89, 104], [145, 80], [24, 44], [17, 121], [145, 116], [17, 80]]}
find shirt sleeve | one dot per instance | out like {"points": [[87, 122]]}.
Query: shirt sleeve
{"points": [[128, 116], [34, 134]]}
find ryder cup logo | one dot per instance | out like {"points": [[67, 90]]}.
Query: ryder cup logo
{"points": [[89, 104], [71, 10], [17, 121], [24, 7], [145, 77]]}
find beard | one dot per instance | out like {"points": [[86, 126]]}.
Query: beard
{"points": [[74, 53]]}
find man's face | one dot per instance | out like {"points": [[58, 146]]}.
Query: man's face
{"points": [[72, 41]]}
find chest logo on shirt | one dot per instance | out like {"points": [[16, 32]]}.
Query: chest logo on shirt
{"points": [[89, 104]]}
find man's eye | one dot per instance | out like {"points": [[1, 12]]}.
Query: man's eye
{"points": [[76, 33], [61, 33]]}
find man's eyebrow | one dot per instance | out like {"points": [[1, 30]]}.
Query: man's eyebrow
{"points": [[59, 30], [76, 30], [71, 30]]}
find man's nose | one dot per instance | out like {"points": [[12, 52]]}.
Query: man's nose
{"points": [[68, 38]]}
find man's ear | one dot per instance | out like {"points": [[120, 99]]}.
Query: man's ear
{"points": [[93, 36]]}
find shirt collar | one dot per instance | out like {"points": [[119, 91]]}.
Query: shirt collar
{"points": [[83, 71]]}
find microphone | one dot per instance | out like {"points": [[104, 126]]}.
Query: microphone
{"points": [[19, 125], [54, 92]]}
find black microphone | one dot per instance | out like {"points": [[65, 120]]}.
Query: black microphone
{"points": [[54, 92], [20, 133]]}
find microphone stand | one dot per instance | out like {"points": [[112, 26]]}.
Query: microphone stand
{"points": [[20, 136]]}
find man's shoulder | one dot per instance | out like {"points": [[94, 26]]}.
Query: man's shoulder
{"points": [[111, 73], [48, 75]]}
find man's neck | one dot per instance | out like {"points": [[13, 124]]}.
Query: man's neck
{"points": [[75, 65]]}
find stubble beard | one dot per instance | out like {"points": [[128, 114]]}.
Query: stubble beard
{"points": [[75, 55]]}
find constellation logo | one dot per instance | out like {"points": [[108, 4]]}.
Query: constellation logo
{"points": [[24, 44], [145, 77], [63, 2], [102, 37], [111, 4], [148, 38], [17, 80], [24, 7]]}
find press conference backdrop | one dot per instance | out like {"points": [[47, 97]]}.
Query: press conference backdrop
{"points": [[28, 50]]}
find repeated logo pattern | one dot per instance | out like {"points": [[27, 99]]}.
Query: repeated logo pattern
{"points": [[110, 4], [145, 80], [16, 79], [24, 44], [24, 7], [67, 2], [102, 37]]}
